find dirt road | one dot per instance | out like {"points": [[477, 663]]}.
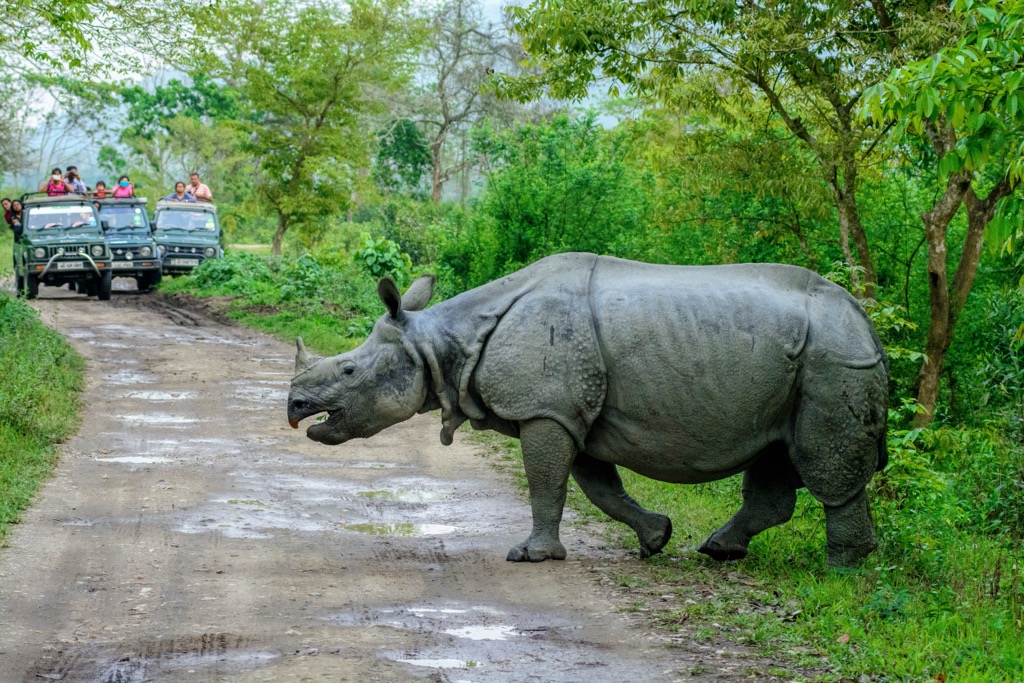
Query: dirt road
{"points": [[190, 535]]}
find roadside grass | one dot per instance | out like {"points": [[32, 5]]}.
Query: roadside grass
{"points": [[322, 297], [6, 255], [38, 404]]}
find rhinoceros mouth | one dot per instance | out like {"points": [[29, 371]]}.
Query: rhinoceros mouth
{"points": [[327, 431]]}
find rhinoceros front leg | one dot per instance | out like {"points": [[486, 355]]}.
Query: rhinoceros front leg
{"points": [[548, 452], [601, 483]]}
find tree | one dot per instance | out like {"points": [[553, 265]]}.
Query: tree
{"points": [[963, 110], [95, 35], [808, 62], [310, 75], [462, 53]]}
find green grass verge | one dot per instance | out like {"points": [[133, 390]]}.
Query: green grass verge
{"points": [[6, 251], [38, 404]]}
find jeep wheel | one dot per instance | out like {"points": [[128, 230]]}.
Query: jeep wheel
{"points": [[103, 286], [31, 286]]}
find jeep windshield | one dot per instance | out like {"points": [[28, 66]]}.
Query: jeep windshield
{"points": [[128, 219], [61, 217], [190, 221]]}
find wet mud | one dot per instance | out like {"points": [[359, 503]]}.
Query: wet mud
{"points": [[189, 534]]}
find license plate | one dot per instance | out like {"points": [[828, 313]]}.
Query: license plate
{"points": [[184, 262], [123, 264], [70, 265]]}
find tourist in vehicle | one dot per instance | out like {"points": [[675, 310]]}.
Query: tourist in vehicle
{"points": [[55, 185], [179, 194], [17, 214], [198, 190], [75, 180], [6, 203], [101, 191], [125, 188]]}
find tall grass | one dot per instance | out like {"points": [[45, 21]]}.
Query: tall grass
{"points": [[38, 403]]}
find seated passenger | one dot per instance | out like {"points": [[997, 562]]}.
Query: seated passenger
{"points": [[125, 188], [179, 194], [101, 190], [56, 185], [6, 203]]}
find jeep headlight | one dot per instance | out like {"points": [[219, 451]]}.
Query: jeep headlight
{"points": [[145, 252], [210, 252], [97, 250], [39, 252]]}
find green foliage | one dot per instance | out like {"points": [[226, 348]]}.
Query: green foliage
{"points": [[974, 87], [562, 186], [38, 403], [381, 257], [403, 157]]}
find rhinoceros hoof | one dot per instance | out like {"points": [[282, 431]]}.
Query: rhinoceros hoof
{"points": [[527, 552], [720, 551], [655, 539]]}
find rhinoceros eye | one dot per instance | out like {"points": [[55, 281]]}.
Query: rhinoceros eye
{"points": [[349, 370]]}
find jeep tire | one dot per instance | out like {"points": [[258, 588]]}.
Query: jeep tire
{"points": [[103, 285], [31, 286]]}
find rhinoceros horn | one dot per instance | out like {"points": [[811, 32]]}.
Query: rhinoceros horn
{"points": [[302, 359]]}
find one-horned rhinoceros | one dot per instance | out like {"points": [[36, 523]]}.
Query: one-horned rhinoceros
{"points": [[682, 374]]}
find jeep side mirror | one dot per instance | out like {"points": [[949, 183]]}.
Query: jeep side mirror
{"points": [[105, 225]]}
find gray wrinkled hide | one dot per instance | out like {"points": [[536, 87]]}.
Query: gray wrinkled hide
{"points": [[682, 374]]}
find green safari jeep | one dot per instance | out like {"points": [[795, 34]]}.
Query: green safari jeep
{"points": [[187, 233], [130, 238], [60, 242]]}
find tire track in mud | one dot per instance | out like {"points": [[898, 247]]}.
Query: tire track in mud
{"points": [[189, 534]]}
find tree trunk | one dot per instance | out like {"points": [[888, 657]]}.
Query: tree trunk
{"points": [[850, 227], [282, 227], [437, 183], [941, 318]]}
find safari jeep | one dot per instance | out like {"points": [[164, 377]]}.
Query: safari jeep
{"points": [[187, 234], [60, 242], [130, 238]]}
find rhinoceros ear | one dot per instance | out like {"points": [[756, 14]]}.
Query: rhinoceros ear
{"points": [[388, 293], [418, 295]]}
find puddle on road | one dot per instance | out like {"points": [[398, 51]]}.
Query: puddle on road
{"points": [[398, 529], [404, 496], [483, 632], [442, 663], [157, 419], [126, 376], [161, 395], [135, 459], [369, 465]]}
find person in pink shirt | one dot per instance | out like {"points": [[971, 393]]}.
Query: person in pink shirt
{"points": [[198, 190], [56, 185], [125, 188]]}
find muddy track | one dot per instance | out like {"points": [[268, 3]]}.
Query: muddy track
{"points": [[189, 534]]}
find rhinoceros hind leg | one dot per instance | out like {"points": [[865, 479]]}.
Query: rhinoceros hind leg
{"points": [[769, 497], [548, 452], [601, 483], [850, 532]]}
